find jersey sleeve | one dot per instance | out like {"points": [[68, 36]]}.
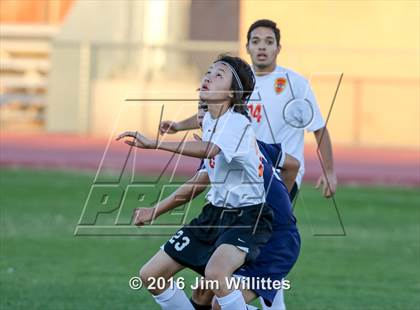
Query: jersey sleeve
{"points": [[229, 136], [282, 160], [317, 119]]}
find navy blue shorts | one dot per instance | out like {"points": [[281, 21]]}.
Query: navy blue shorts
{"points": [[249, 228], [274, 262]]}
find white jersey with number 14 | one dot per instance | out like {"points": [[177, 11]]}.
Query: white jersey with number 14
{"points": [[282, 106]]}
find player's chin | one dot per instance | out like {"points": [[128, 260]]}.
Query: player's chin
{"points": [[207, 96], [262, 63]]}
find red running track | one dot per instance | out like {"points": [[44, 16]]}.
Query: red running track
{"points": [[353, 165]]}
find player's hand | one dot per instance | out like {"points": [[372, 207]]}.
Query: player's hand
{"points": [[328, 188], [168, 127], [143, 215], [138, 140], [197, 137]]}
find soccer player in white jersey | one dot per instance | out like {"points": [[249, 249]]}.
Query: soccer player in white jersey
{"points": [[282, 106], [236, 222], [278, 255]]}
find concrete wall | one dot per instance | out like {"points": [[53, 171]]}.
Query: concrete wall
{"points": [[131, 46]]}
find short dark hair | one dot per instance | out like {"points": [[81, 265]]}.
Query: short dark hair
{"points": [[264, 23], [245, 74]]}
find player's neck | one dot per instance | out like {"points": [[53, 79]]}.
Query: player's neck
{"points": [[261, 71], [218, 109]]}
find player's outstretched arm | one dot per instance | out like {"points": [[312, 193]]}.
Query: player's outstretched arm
{"points": [[289, 171], [185, 193], [198, 149], [173, 127]]}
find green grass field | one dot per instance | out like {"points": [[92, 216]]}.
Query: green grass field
{"points": [[43, 266]]}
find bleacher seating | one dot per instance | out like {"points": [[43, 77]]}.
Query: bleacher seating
{"points": [[24, 67]]}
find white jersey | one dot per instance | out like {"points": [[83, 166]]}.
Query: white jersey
{"points": [[282, 106], [236, 172]]}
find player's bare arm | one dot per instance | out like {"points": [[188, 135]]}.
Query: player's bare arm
{"points": [[173, 127], [185, 193], [289, 171], [327, 180], [198, 149]]}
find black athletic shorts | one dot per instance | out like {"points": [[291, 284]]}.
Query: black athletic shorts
{"points": [[248, 228]]}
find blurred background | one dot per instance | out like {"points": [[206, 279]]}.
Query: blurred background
{"points": [[68, 67], [74, 73]]}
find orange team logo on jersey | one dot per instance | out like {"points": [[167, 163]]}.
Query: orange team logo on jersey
{"points": [[280, 85]]}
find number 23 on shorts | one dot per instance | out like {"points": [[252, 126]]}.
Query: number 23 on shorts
{"points": [[179, 244]]}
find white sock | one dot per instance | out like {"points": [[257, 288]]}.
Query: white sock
{"points": [[251, 307], [173, 298], [232, 301], [278, 302]]}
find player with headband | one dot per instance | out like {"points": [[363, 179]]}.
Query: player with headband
{"points": [[279, 254], [236, 222]]}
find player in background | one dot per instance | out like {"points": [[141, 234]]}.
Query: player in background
{"points": [[236, 222], [283, 104], [280, 253]]}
